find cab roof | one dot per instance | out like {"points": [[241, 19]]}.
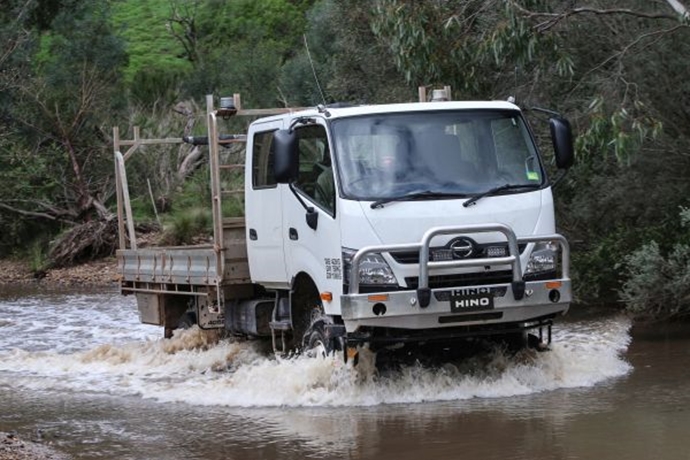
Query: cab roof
{"points": [[343, 112]]}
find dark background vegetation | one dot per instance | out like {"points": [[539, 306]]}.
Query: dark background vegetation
{"points": [[70, 70]]}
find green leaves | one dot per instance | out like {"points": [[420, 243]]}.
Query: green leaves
{"points": [[658, 284], [620, 131], [466, 44]]}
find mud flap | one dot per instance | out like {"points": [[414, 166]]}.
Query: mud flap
{"points": [[209, 315]]}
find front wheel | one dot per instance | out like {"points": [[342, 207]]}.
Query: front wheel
{"points": [[317, 343]]}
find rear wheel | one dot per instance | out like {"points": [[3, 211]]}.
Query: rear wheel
{"points": [[187, 320]]}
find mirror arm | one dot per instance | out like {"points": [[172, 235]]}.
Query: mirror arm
{"points": [[312, 216], [301, 121], [299, 198], [561, 174]]}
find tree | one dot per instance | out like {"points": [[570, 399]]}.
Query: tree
{"points": [[59, 154], [350, 63]]}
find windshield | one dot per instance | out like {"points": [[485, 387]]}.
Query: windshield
{"points": [[455, 152]]}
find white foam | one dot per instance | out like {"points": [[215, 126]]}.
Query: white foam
{"points": [[69, 323], [196, 368]]}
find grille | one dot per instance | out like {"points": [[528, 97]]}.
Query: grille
{"points": [[463, 279], [481, 251]]}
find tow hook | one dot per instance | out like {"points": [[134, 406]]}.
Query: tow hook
{"points": [[424, 296], [518, 290]]}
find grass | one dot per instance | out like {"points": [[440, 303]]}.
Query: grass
{"points": [[150, 45], [38, 259]]}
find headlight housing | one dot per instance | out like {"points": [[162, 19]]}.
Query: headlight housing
{"points": [[544, 258], [373, 269]]}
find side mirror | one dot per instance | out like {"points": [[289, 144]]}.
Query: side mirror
{"points": [[286, 156], [562, 139]]}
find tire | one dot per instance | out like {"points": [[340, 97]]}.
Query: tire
{"points": [[187, 320], [316, 343]]}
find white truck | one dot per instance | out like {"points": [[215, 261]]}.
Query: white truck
{"points": [[373, 224]]}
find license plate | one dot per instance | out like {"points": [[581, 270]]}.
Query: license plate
{"points": [[463, 300], [441, 255]]}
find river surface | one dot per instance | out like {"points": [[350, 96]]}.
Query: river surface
{"points": [[79, 372]]}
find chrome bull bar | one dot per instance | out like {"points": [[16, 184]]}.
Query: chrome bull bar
{"points": [[513, 259]]}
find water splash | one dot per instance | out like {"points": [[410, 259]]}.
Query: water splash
{"points": [[198, 368]]}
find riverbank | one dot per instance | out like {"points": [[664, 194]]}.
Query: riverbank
{"points": [[14, 448], [100, 272]]}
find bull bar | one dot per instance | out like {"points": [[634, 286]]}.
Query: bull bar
{"points": [[432, 313]]}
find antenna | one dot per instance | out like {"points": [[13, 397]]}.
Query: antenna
{"points": [[318, 85]]}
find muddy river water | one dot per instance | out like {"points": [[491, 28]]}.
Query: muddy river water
{"points": [[79, 372]]}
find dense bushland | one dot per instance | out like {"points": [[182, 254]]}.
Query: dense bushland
{"points": [[72, 69]]}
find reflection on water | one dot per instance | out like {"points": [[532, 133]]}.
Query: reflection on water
{"points": [[83, 370]]}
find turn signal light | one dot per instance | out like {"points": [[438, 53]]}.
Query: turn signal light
{"points": [[378, 298], [327, 296], [553, 285]]}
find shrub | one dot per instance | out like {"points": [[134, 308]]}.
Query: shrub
{"points": [[187, 226], [38, 259], [658, 284]]}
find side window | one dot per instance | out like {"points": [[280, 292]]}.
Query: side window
{"points": [[262, 160], [315, 177]]}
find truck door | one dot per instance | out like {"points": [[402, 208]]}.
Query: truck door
{"points": [[264, 211], [315, 250]]}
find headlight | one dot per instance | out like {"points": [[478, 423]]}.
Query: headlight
{"points": [[373, 269], [543, 259]]}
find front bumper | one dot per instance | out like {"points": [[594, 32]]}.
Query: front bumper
{"points": [[402, 310], [425, 308]]}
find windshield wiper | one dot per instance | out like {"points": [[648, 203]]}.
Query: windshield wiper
{"points": [[498, 189], [426, 194]]}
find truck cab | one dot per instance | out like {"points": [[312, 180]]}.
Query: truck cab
{"points": [[405, 222]]}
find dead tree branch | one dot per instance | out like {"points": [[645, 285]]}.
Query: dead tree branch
{"points": [[187, 159], [87, 241], [626, 49], [550, 20], [182, 26], [36, 214]]}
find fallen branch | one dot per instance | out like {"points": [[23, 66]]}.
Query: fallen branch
{"points": [[36, 214], [88, 241]]}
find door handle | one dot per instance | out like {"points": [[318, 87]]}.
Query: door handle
{"points": [[292, 233], [253, 235]]}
